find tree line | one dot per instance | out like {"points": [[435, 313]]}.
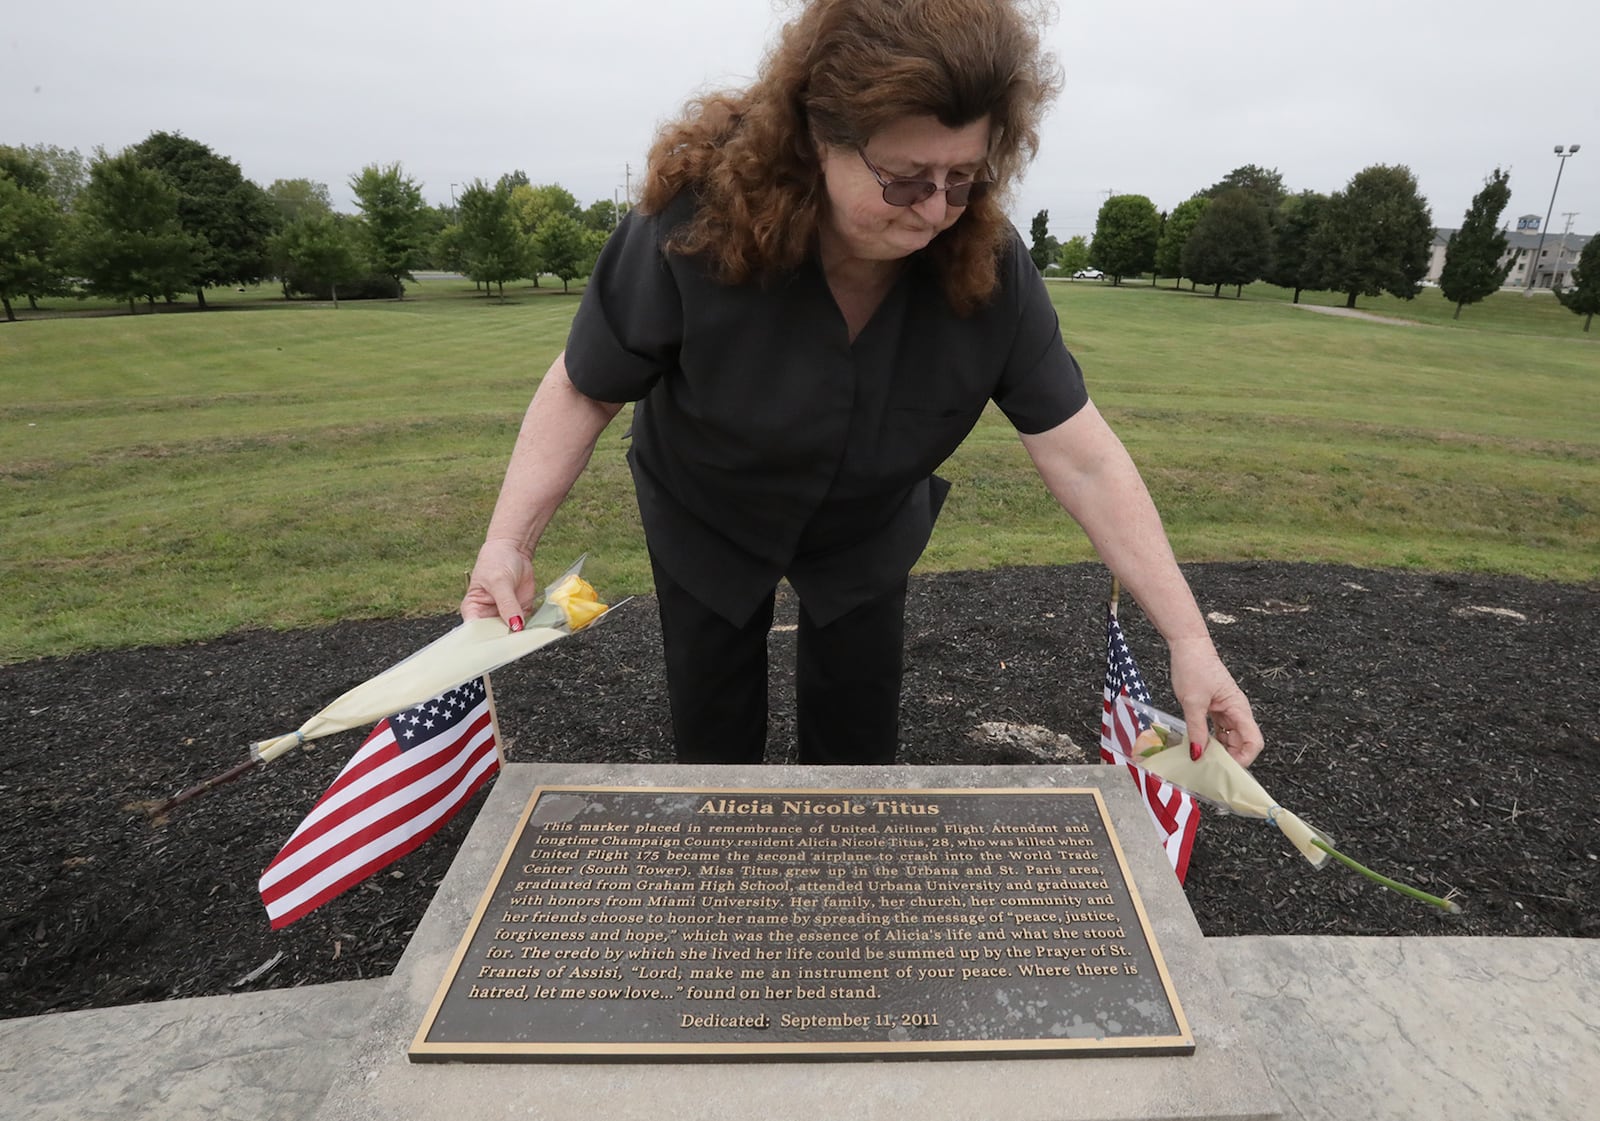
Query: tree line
{"points": [[169, 215], [1374, 236]]}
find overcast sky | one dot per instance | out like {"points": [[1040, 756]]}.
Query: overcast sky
{"points": [[1162, 98]]}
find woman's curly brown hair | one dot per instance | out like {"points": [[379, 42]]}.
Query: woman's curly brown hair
{"points": [[840, 72]]}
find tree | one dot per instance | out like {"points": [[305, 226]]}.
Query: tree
{"points": [[1293, 263], [1266, 187], [31, 226], [533, 207], [393, 227], [1374, 236], [1126, 232], [1044, 248], [1230, 242], [603, 215], [491, 245], [433, 222], [536, 203], [1472, 268], [513, 179], [33, 251], [61, 172], [228, 216], [1583, 298], [1074, 255], [23, 170], [316, 253], [300, 198], [446, 251], [1174, 233], [129, 241], [562, 248]]}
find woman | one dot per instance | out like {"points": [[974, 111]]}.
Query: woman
{"points": [[814, 301]]}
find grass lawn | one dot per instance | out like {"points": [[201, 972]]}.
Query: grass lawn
{"points": [[167, 477], [1266, 431]]}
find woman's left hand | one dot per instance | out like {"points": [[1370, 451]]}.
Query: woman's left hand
{"points": [[1212, 700]]}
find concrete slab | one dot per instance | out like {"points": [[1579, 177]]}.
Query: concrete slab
{"points": [[1224, 1078], [266, 1056], [1450, 1028], [1420, 1028]]}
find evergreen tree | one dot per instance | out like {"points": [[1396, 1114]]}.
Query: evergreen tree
{"points": [[1126, 232], [129, 241], [393, 226], [1044, 247], [1472, 268], [1583, 298], [1374, 236], [1230, 244], [1179, 225], [1293, 264]]}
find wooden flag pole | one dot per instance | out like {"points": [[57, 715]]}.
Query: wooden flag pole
{"points": [[488, 690], [159, 810], [494, 722], [1116, 593]]}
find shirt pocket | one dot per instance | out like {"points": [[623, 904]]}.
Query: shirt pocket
{"points": [[916, 438]]}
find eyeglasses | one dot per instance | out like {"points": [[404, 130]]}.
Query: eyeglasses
{"points": [[909, 192]]}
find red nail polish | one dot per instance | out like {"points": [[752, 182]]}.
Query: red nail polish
{"points": [[516, 623], [1195, 751]]}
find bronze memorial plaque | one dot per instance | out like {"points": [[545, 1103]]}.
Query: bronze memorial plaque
{"points": [[655, 923]]}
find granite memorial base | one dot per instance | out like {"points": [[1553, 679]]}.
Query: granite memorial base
{"points": [[1186, 1055]]}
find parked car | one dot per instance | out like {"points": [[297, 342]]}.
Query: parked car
{"points": [[1088, 274]]}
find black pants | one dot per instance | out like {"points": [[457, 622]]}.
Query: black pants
{"points": [[847, 680]]}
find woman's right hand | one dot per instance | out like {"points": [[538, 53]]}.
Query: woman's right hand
{"points": [[501, 584]]}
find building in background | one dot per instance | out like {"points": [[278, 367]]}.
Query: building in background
{"points": [[1556, 257]]}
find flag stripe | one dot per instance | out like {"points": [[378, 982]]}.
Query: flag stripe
{"points": [[410, 776], [385, 769], [369, 757], [363, 862], [405, 796], [385, 840], [1173, 810], [327, 825]]}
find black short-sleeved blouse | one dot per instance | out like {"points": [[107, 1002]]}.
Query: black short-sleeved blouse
{"points": [[766, 444]]}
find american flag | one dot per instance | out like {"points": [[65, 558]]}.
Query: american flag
{"points": [[1173, 810], [415, 770]]}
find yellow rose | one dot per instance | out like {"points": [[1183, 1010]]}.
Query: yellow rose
{"points": [[1155, 738], [1149, 742], [578, 601]]}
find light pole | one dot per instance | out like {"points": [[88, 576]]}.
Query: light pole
{"points": [[453, 187], [1533, 271], [1561, 254]]}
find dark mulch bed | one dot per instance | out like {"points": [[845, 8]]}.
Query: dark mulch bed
{"points": [[1435, 734]]}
